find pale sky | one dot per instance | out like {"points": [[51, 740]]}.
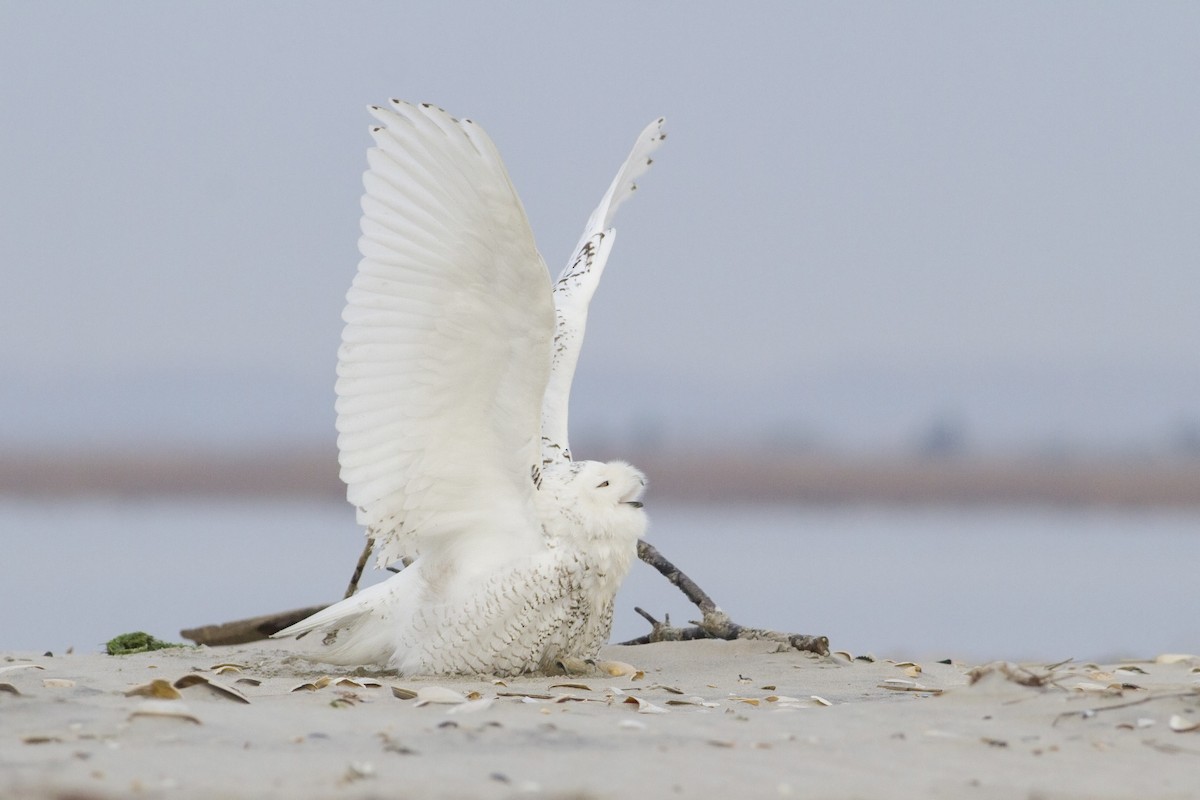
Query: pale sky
{"points": [[865, 215]]}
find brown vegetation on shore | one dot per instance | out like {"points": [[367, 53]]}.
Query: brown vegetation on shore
{"points": [[715, 477]]}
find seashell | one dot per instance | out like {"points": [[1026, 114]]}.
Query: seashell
{"points": [[249, 681], [574, 698], [15, 667], [750, 701], [912, 668], [721, 742], [1181, 724], [472, 706], [1131, 668], [645, 706], [221, 669], [526, 695], [439, 695], [616, 669], [169, 709], [401, 693], [224, 692], [313, 686], [9, 688], [40, 739], [665, 688], [156, 688], [581, 686], [843, 654], [57, 683]]}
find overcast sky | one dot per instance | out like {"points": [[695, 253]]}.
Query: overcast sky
{"points": [[865, 214]]}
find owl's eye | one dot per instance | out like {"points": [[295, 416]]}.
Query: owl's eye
{"points": [[601, 486]]}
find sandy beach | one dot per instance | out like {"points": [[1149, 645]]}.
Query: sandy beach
{"points": [[696, 719]]}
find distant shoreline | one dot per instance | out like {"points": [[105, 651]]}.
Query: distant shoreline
{"points": [[714, 477]]}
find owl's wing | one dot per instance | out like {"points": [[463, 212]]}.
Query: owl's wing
{"points": [[574, 289], [443, 363]]}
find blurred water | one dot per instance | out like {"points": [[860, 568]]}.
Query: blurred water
{"points": [[914, 582]]}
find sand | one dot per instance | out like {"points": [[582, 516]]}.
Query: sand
{"points": [[716, 719]]}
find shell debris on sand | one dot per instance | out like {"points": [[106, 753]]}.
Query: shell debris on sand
{"points": [[828, 720]]}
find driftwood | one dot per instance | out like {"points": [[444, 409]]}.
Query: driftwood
{"points": [[714, 624], [248, 630]]}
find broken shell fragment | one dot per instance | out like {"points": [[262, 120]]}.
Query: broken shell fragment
{"points": [[616, 669], [313, 686], [224, 692], [221, 669], [156, 688], [57, 683], [15, 667], [472, 706], [9, 688], [645, 706], [167, 709], [1181, 724], [440, 695]]}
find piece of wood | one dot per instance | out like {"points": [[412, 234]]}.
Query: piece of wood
{"points": [[248, 630], [715, 623]]}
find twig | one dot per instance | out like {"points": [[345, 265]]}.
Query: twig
{"points": [[1091, 712], [715, 623]]}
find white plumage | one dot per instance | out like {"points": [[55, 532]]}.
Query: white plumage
{"points": [[454, 377]]}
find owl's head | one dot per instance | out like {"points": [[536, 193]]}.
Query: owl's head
{"points": [[610, 498]]}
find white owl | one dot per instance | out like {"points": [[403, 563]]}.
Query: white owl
{"points": [[453, 382]]}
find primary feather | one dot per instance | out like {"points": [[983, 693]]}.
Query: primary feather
{"points": [[453, 381]]}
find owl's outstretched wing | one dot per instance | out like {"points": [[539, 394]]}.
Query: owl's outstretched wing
{"points": [[574, 289], [443, 364]]}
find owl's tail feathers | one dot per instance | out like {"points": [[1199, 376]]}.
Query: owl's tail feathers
{"points": [[358, 631]]}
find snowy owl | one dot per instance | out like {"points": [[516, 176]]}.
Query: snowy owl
{"points": [[454, 376]]}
